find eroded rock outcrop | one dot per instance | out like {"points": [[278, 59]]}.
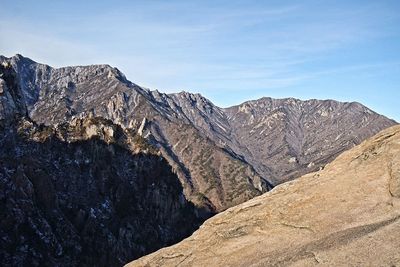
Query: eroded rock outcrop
{"points": [[11, 100]]}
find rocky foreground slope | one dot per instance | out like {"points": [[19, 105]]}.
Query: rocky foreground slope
{"points": [[347, 214], [222, 157], [82, 193]]}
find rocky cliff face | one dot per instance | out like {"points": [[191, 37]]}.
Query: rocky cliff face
{"points": [[84, 192], [347, 214], [223, 157], [76, 195], [11, 100]]}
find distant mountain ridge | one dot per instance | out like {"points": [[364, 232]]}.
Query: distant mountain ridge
{"points": [[223, 156]]}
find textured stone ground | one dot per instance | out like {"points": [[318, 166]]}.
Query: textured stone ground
{"points": [[347, 214]]}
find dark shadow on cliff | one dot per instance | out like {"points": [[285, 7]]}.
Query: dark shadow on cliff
{"points": [[86, 203]]}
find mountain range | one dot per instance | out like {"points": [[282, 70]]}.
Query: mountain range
{"points": [[96, 170], [222, 156]]}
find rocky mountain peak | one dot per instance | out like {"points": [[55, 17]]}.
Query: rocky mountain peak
{"points": [[290, 131], [187, 101]]}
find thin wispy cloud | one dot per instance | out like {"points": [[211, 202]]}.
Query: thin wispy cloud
{"points": [[246, 48]]}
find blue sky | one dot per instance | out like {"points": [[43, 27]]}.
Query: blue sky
{"points": [[229, 51]]}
